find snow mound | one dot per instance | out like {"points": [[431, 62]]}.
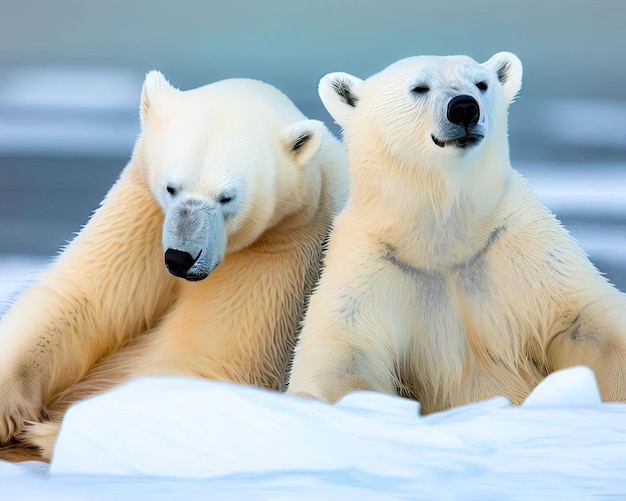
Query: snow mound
{"points": [[573, 387], [562, 440], [182, 438]]}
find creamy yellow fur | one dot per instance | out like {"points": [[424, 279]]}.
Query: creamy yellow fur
{"points": [[109, 310], [446, 280]]}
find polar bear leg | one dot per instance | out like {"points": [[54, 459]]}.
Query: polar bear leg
{"points": [[329, 367], [333, 389], [113, 371], [595, 338], [81, 310]]}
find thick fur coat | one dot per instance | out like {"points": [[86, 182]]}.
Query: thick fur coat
{"points": [[446, 279], [231, 177]]}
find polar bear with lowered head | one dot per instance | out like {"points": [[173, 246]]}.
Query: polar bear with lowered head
{"points": [[446, 280], [235, 189]]}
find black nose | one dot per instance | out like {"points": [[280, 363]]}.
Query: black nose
{"points": [[463, 110], [178, 262]]}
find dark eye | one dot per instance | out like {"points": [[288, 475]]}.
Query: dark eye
{"points": [[420, 89], [482, 86], [171, 190], [224, 199]]}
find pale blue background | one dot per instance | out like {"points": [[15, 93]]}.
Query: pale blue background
{"points": [[71, 71]]}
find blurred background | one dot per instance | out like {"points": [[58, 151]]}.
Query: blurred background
{"points": [[71, 74]]}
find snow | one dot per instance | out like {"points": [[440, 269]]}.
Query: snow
{"points": [[566, 388], [169, 438]]}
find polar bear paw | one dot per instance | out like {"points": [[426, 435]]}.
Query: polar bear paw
{"points": [[20, 402]]}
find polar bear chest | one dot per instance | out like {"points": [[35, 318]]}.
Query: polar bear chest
{"points": [[445, 316]]}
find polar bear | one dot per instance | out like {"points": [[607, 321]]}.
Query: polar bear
{"points": [[235, 189], [446, 280]]}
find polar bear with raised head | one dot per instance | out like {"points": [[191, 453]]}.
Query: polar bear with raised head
{"points": [[446, 280], [235, 189]]}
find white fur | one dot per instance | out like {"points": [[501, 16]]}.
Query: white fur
{"points": [[341, 113], [109, 310], [155, 87], [446, 280]]}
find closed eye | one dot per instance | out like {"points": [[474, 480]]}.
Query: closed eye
{"points": [[420, 89], [225, 199]]}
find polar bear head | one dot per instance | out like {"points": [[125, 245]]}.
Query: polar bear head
{"points": [[435, 112], [226, 162]]}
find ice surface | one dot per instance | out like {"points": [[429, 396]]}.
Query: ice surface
{"points": [[573, 387], [179, 437]]}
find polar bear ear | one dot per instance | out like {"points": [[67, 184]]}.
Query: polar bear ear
{"points": [[303, 139], [508, 68], [154, 86], [340, 94]]}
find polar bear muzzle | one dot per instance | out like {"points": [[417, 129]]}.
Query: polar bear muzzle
{"points": [[463, 110], [462, 129], [179, 262], [194, 239]]}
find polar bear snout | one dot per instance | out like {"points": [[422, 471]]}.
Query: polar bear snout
{"points": [[179, 262], [463, 110], [462, 127], [194, 239]]}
